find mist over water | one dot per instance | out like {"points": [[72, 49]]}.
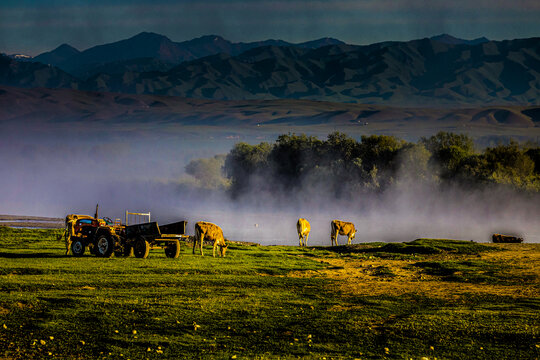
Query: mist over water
{"points": [[56, 172], [400, 214]]}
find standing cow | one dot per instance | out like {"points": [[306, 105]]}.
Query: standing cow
{"points": [[342, 228], [212, 232], [303, 228]]}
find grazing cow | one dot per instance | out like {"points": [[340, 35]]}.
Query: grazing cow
{"points": [[342, 228], [303, 228], [211, 232], [499, 238]]}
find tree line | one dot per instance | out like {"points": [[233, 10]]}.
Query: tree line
{"points": [[342, 166]]}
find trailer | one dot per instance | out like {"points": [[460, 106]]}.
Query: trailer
{"points": [[143, 237], [105, 237]]}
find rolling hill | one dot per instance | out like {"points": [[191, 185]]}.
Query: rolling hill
{"points": [[57, 106]]}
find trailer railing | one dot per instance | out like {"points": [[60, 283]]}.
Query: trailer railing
{"points": [[137, 218]]}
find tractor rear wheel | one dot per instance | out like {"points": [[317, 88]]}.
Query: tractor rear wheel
{"points": [[104, 246], [141, 248], [173, 249], [77, 248]]}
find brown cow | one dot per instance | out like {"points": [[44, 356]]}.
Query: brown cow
{"points": [[499, 238], [342, 228], [303, 228], [211, 232]]}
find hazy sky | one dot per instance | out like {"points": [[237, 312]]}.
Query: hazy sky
{"points": [[34, 26]]}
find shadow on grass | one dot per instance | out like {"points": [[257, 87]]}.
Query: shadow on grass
{"points": [[418, 246], [12, 255]]}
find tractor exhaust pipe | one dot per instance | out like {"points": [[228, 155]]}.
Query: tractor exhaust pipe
{"points": [[96, 214]]}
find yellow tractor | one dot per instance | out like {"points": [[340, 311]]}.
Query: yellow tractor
{"points": [[102, 237], [105, 237]]}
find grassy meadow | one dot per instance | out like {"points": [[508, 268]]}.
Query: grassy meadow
{"points": [[427, 298]]}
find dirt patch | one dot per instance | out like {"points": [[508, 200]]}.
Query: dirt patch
{"points": [[376, 277], [86, 287]]}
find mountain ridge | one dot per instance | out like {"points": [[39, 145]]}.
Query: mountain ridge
{"points": [[419, 72], [416, 72], [451, 40], [157, 46]]}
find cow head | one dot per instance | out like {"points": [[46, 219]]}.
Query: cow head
{"points": [[223, 249]]}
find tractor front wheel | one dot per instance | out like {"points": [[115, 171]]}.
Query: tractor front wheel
{"points": [[141, 248], [104, 246], [77, 248], [173, 250]]}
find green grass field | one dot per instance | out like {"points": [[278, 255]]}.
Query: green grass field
{"points": [[441, 299]]}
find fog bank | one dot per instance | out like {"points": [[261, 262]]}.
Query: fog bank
{"points": [[55, 173]]}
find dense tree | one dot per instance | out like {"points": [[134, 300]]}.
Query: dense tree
{"points": [[340, 146], [379, 158], [508, 164], [344, 166], [413, 162], [448, 151], [245, 161], [208, 172], [293, 156], [534, 154]]}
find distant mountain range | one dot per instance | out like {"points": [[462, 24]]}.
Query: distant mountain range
{"points": [[440, 70], [157, 47], [449, 39]]}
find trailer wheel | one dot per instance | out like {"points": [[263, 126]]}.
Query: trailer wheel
{"points": [[173, 249], [77, 248], [104, 246], [141, 248]]}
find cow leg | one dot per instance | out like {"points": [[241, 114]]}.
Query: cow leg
{"points": [[349, 241], [201, 239], [300, 238], [215, 246], [305, 240], [334, 233]]}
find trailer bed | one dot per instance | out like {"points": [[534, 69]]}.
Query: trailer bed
{"points": [[156, 237]]}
